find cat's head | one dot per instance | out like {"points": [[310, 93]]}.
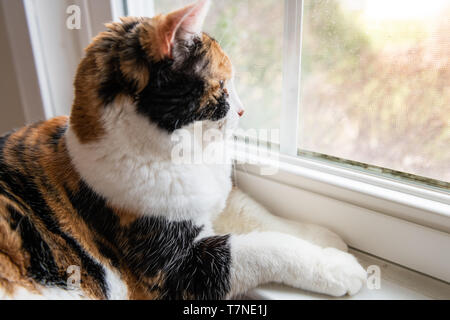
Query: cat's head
{"points": [[164, 70]]}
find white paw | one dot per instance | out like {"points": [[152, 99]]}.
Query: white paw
{"points": [[341, 272], [320, 236]]}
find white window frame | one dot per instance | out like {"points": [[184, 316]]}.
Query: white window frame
{"points": [[292, 51], [403, 223], [138, 7]]}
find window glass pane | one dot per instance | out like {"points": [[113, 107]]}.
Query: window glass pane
{"points": [[376, 83], [251, 32]]}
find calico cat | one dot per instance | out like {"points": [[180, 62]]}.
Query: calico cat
{"points": [[99, 192]]}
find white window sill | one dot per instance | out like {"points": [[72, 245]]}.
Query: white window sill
{"points": [[406, 224], [397, 283], [419, 204]]}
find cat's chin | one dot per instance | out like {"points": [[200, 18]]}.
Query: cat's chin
{"points": [[226, 126], [231, 122]]}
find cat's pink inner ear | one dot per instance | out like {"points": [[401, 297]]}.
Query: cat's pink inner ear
{"points": [[184, 24]]}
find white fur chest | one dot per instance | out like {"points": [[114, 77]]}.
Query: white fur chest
{"points": [[131, 168]]}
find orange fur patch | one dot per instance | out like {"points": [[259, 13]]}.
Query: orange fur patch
{"points": [[13, 260], [153, 35], [86, 110]]}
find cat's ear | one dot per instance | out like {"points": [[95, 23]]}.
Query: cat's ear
{"points": [[183, 24]]}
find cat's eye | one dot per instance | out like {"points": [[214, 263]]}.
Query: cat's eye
{"points": [[222, 87]]}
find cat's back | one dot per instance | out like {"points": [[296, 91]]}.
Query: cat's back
{"points": [[35, 247], [22, 153], [30, 157]]}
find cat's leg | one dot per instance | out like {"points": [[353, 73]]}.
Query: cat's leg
{"points": [[259, 258], [243, 215], [220, 267]]}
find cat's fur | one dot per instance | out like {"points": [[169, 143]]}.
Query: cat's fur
{"points": [[100, 191]]}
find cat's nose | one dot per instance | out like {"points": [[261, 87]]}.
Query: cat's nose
{"points": [[235, 102]]}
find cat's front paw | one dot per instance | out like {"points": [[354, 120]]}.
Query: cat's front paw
{"points": [[342, 273]]}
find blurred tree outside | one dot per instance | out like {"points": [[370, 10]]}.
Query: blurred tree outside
{"points": [[377, 90]]}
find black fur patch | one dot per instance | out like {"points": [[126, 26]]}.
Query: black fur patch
{"points": [[43, 268], [101, 219], [174, 93], [56, 137], [204, 271], [172, 98], [3, 140], [153, 245]]}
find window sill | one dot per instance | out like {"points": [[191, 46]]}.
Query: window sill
{"points": [[402, 223], [419, 204], [397, 283]]}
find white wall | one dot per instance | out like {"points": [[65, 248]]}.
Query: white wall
{"points": [[57, 51], [39, 61], [11, 111]]}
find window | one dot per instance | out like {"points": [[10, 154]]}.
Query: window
{"points": [[370, 91], [375, 77]]}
